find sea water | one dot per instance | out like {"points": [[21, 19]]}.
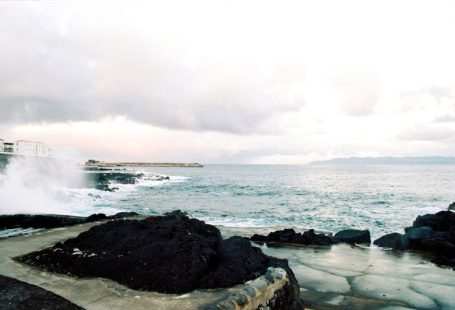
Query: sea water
{"points": [[329, 198], [383, 198]]}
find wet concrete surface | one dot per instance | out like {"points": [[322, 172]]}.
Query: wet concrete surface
{"points": [[95, 293], [351, 277], [337, 277]]}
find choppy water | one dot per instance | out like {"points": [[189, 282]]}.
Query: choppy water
{"points": [[330, 198], [380, 198]]}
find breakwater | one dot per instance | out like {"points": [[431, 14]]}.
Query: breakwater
{"points": [[141, 164]]}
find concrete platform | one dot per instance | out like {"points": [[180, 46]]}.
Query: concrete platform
{"points": [[99, 293], [349, 277], [90, 293]]}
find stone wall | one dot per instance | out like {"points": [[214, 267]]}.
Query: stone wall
{"points": [[270, 291]]}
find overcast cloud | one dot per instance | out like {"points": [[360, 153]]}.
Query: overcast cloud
{"points": [[229, 81]]}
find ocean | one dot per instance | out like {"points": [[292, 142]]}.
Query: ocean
{"points": [[328, 198], [248, 199], [381, 198]]}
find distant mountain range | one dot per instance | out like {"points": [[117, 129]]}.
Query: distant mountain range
{"points": [[409, 160]]}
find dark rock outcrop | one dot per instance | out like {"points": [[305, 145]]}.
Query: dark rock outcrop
{"points": [[433, 234], [39, 221], [440, 221], [451, 206], [352, 236], [168, 254], [290, 236], [394, 241], [18, 295], [47, 221], [418, 233], [120, 215], [104, 180], [176, 213]]}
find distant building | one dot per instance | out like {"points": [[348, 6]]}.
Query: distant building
{"points": [[23, 147], [31, 148], [8, 147]]}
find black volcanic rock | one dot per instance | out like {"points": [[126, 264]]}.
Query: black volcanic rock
{"points": [[352, 236], [96, 217], [168, 254], [18, 295], [437, 246], [259, 238], [290, 236], [39, 221], [120, 215], [177, 213], [418, 233], [433, 234], [440, 221], [451, 234], [451, 206], [236, 253], [394, 241], [47, 221], [103, 180]]}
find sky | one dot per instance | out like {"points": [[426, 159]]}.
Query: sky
{"points": [[264, 82]]}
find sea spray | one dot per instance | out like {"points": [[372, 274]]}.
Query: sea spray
{"points": [[38, 185]]}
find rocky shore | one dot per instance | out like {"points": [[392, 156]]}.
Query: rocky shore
{"points": [[190, 254], [47, 221], [193, 256], [108, 179], [432, 234], [18, 295], [95, 163], [291, 237]]}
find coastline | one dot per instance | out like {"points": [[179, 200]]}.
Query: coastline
{"points": [[102, 164], [341, 276], [331, 276]]}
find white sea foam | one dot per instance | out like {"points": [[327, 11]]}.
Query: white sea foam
{"points": [[152, 180], [30, 185]]}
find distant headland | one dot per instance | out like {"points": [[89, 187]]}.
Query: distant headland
{"points": [[389, 160], [96, 163]]}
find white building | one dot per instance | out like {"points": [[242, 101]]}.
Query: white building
{"points": [[7, 147], [30, 148]]}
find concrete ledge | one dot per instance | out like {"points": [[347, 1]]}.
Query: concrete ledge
{"points": [[269, 291]]}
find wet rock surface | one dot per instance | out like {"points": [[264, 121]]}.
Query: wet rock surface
{"points": [[430, 233], [394, 241], [106, 180], [47, 221], [18, 295], [352, 236], [168, 254], [290, 236]]}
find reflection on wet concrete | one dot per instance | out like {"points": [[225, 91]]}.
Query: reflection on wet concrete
{"points": [[350, 277], [337, 277]]}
